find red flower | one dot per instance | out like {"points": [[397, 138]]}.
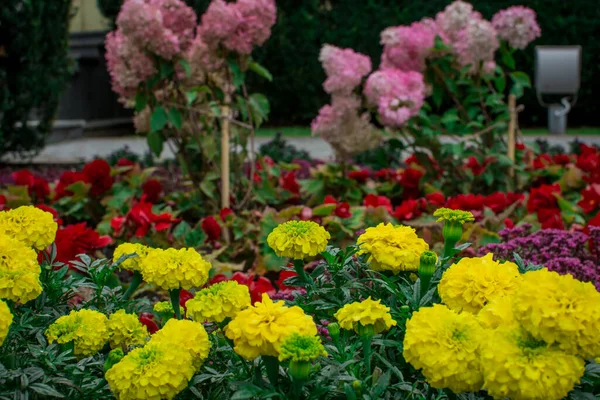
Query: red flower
{"points": [[342, 210], [288, 182], [466, 202], [23, 178], [589, 159], [67, 179], [409, 209], [550, 218], [78, 239], [97, 173], [142, 218], [125, 162], [283, 275], [257, 285], [520, 147], [542, 161], [436, 199], [359, 176], [152, 189], [184, 296], [372, 200], [591, 198], [35, 185], [475, 166], [52, 211], [561, 159], [225, 213], [211, 227], [411, 177], [508, 223], [386, 174], [3, 206], [543, 197], [147, 319], [306, 214]]}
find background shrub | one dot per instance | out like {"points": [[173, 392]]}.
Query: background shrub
{"points": [[34, 68], [291, 53]]}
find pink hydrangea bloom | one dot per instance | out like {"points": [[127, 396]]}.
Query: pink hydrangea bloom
{"points": [[128, 65], [203, 57], [344, 68], [407, 47], [164, 27], [517, 25], [455, 18], [476, 44], [254, 26], [219, 22], [398, 95]]}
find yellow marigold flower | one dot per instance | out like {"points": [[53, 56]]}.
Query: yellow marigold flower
{"points": [[497, 313], [560, 309], [29, 225], [518, 367], [444, 344], [87, 329], [301, 348], [188, 335], [298, 239], [260, 329], [447, 214], [159, 370], [392, 248], [126, 330], [219, 301], [134, 263], [166, 307], [173, 269], [471, 283], [6, 318], [19, 271], [365, 313]]}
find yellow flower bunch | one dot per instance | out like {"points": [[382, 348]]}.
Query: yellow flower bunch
{"points": [[126, 330], [471, 283], [560, 309], [19, 271], [298, 239], [518, 367], [497, 313], [444, 345], [156, 371], [365, 313], [392, 248], [87, 329], [219, 301], [173, 269], [260, 329], [296, 347], [166, 307], [6, 318], [29, 225], [133, 263], [450, 215], [188, 335]]}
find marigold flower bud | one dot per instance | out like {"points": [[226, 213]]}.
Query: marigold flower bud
{"points": [[113, 357], [334, 330], [426, 269], [299, 370]]}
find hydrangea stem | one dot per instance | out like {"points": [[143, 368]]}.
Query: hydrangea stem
{"points": [[174, 293], [299, 267], [272, 367], [136, 280]]}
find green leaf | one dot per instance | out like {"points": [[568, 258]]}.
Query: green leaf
{"points": [[260, 70], [166, 69], [140, 101], [260, 108], [181, 230], [155, 142], [324, 210], [314, 187], [450, 117], [238, 74], [195, 237], [158, 119], [437, 95], [508, 59], [45, 390], [500, 83], [175, 118], [186, 66], [521, 78], [191, 96]]}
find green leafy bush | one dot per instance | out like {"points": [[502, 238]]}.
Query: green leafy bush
{"points": [[33, 70]]}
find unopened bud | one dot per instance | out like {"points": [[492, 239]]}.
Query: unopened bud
{"points": [[299, 370], [334, 330]]}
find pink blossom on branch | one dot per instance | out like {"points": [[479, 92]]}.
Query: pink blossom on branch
{"points": [[517, 25], [476, 44], [455, 17], [344, 68], [407, 47]]}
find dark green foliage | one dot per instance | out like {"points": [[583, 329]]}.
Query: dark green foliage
{"points": [[281, 151], [291, 54], [33, 69]]}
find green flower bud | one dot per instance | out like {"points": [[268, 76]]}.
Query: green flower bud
{"points": [[113, 357], [334, 330], [357, 386], [426, 269], [453, 222], [299, 370], [365, 331]]}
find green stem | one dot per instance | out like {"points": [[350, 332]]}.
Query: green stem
{"points": [[136, 280], [174, 293], [299, 268], [297, 388], [366, 342], [272, 367], [448, 249]]}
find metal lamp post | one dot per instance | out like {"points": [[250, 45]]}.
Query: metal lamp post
{"points": [[558, 72]]}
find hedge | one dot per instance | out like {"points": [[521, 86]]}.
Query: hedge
{"points": [[304, 26], [34, 68]]}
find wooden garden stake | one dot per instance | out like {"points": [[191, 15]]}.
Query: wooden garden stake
{"points": [[512, 109], [225, 153]]}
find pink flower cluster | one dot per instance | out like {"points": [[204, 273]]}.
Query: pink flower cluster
{"points": [[517, 25], [476, 44], [344, 68], [455, 18], [407, 47], [398, 95], [238, 26]]}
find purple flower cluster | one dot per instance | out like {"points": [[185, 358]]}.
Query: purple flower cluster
{"points": [[557, 250]]}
